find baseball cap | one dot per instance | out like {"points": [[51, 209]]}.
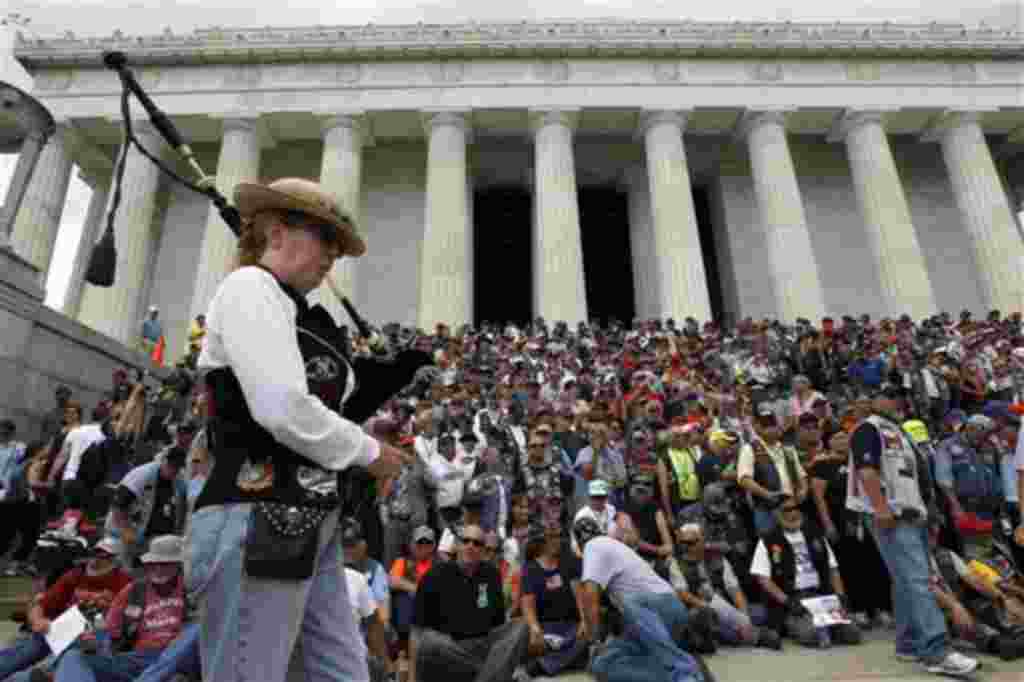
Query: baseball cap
{"points": [[598, 488], [423, 533], [110, 545]]}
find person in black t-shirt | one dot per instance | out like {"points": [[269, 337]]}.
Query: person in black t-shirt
{"points": [[551, 604], [459, 631]]}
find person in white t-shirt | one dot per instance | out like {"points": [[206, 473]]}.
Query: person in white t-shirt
{"points": [[793, 563], [598, 508], [653, 617], [371, 618]]}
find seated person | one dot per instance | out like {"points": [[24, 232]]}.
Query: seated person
{"points": [[792, 563], [372, 620], [975, 610], [151, 500], [459, 628], [653, 617], [550, 604], [707, 582], [92, 588], [406, 575], [145, 618]]}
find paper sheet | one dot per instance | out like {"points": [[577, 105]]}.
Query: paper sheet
{"points": [[826, 610], [65, 629]]}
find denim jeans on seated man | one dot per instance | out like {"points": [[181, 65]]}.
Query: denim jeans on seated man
{"points": [[76, 666], [647, 650], [181, 657], [23, 654], [920, 626]]}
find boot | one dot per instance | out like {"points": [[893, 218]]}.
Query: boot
{"points": [[1011, 648], [769, 639]]}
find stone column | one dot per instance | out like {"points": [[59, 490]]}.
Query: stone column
{"points": [[38, 220], [679, 263], [883, 206], [641, 240], [28, 159], [341, 173], [790, 256], [986, 212], [559, 291], [445, 287], [95, 222], [117, 311], [239, 161]]}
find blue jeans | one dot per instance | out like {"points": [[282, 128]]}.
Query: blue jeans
{"points": [[920, 625], [24, 654], [251, 627], [647, 651], [75, 666], [181, 656]]}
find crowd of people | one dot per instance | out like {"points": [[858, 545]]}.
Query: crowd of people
{"points": [[590, 477]]}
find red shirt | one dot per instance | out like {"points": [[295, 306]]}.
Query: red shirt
{"points": [[161, 621], [75, 587]]}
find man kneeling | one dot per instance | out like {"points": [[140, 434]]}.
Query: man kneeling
{"points": [[792, 563], [143, 620], [459, 633]]}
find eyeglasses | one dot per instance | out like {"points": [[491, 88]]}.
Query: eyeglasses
{"points": [[476, 542]]}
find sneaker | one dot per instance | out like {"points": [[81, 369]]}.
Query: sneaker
{"points": [[861, 620], [954, 664], [883, 619], [520, 675]]}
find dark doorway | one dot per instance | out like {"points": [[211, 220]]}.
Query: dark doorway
{"points": [[502, 261], [607, 262], [706, 233]]}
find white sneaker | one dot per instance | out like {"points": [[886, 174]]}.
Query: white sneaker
{"points": [[955, 664], [884, 619]]}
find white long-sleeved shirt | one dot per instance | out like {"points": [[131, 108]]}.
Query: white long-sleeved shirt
{"points": [[251, 328]]}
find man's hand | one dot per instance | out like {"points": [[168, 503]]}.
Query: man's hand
{"points": [[885, 519], [961, 618], [41, 626], [583, 633], [389, 463]]}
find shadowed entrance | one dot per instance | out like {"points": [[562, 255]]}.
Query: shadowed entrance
{"points": [[607, 260], [502, 263]]}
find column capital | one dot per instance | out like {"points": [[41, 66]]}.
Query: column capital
{"points": [[755, 118], [851, 119], [254, 123], [432, 118], [951, 119], [652, 117], [540, 118], [356, 121]]}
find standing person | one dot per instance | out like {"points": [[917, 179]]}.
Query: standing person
{"points": [[17, 510], [277, 376], [54, 421], [885, 484], [151, 331]]}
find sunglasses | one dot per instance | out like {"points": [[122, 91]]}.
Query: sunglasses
{"points": [[476, 542], [689, 542], [787, 510], [424, 541]]}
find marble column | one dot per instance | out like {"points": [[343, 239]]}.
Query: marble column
{"points": [[341, 171], [682, 288], [791, 260], [95, 222], [901, 266], [239, 161], [28, 159], [641, 240], [985, 209], [38, 219], [446, 288], [117, 311], [558, 284]]}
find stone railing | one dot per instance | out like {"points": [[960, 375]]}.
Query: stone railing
{"points": [[218, 44]]}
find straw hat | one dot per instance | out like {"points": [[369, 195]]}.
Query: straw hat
{"points": [[305, 196]]}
